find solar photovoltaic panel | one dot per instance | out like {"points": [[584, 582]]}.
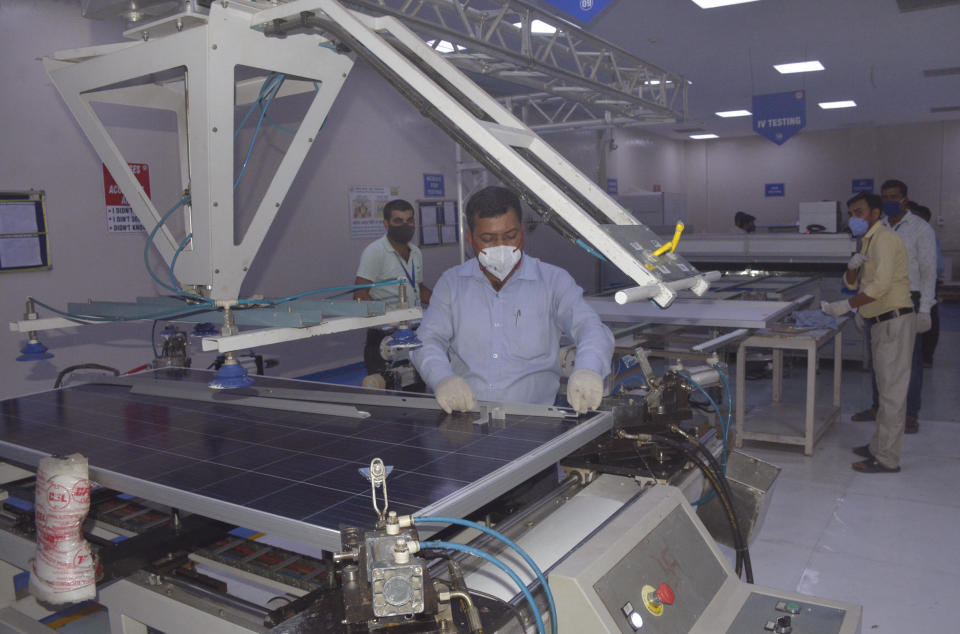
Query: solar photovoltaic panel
{"points": [[293, 474]]}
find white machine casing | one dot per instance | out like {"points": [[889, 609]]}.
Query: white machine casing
{"points": [[656, 539], [825, 213]]}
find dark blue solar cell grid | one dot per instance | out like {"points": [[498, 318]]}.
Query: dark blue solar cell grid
{"points": [[296, 465]]}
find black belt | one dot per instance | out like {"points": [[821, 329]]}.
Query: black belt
{"points": [[890, 314]]}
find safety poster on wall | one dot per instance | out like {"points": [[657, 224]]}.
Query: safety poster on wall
{"points": [[366, 209], [120, 216]]}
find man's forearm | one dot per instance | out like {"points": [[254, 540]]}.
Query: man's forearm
{"points": [[861, 299]]}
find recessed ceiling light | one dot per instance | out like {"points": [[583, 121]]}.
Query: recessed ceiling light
{"points": [[710, 4], [733, 113], [831, 105], [798, 67], [539, 26], [704, 136], [942, 72], [444, 46]]}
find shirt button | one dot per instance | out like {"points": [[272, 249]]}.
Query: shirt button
{"points": [[494, 355]]}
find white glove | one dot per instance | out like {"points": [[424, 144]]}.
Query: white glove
{"points": [[584, 390], [856, 261], [454, 394], [837, 308], [923, 323]]}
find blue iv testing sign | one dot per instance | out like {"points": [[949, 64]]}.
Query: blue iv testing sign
{"points": [[612, 186], [433, 186], [774, 189], [585, 10], [778, 116], [861, 185]]}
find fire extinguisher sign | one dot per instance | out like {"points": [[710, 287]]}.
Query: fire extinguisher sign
{"points": [[120, 216]]}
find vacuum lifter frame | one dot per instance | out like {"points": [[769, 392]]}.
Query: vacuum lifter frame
{"points": [[316, 43]]}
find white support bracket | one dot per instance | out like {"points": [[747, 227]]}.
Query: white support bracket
{"points": [[268, 336]]}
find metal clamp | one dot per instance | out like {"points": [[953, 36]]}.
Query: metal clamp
{"points": [[377, 474]]}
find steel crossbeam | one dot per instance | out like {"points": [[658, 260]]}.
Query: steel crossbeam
{"points": [[315, 43], [574, 76]]}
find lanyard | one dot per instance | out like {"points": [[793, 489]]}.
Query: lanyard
{"points": [[411, 274]]}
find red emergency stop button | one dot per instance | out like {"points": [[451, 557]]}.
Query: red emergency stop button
{"points": [[665, 593]]}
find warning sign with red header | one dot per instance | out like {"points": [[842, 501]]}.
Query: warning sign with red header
{"points": [[120, 216]]}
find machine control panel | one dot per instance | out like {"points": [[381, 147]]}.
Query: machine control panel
{"points": [[786, 616], [653, 568]]}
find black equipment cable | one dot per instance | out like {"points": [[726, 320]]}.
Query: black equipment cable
{"points": [[83, 366], [743, 564], [721, 476]]}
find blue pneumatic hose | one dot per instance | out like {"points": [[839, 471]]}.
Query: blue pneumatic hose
{"points": [[720, 417], [434, 519], [438, 545], [730, 405]]}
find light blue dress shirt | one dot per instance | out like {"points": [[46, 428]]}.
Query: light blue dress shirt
{"points": [[506, 344]]}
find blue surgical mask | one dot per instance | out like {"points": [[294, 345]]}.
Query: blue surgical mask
{"points": [[858, 226], [891, 208]]}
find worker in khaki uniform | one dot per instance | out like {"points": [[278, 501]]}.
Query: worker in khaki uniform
{"points": [[881, 272]]}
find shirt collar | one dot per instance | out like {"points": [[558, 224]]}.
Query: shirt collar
{"points": [[388, 247], [874, 229], [386, 244], [908, 219]]}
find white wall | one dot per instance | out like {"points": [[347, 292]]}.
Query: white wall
{"points": [[372, 137], [42, 148], [726, 175]]}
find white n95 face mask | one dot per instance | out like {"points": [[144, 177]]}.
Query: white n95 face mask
{"points": [[500, 261]]}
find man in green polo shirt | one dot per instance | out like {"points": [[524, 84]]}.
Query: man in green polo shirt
{"points": [[389, 258]]}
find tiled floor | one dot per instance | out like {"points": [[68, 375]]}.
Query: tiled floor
{"points": [[889, 542]]}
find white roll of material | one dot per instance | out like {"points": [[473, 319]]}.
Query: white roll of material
{"points": [[64, 570]]}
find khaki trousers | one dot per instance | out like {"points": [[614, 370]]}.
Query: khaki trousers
{"points": [[891, 343]]}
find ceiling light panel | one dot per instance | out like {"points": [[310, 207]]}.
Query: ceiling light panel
{"points": [[539, 26], [733, 113], [942, 72], [703, 136], [799, 67], [712, 4], [918, 5], [833, 105]]}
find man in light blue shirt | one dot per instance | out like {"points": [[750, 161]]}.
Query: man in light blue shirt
{"points": [[493, 327]]}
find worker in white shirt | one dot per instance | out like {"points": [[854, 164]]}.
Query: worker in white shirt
{"points": [[932, 336], [921, 243], [391, 257]]}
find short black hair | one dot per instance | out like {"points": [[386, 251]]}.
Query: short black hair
{"points": [[742, 219], [922, 211], [895, 184], [491, 202], [873, 200], [397, 204]]}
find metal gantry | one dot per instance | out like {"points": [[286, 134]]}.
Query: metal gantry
{"points": [[567, 75], [315, 43]]}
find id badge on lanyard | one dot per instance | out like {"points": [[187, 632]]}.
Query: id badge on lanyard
{"points": [[411, 274]]}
